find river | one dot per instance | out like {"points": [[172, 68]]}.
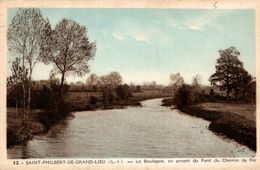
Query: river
{"points": [[150, 131]]}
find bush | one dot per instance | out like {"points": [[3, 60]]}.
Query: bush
{"points": [[12, 138], [108, 97], [93, 100], [123, 92], [182, 97], [41, 98], [54, 104], [14, 96], [56, 110]]}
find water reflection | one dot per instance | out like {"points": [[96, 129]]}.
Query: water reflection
{"points": [[135, 132]]}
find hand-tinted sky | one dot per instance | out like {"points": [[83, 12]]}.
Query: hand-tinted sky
{"points": [[146, 45]]}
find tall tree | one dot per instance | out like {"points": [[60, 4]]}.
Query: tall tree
{"points": [[68, 48], [15, 81], [112, 80], [24, 35], [243, 80], [196, 88], [229, 70], [176, 80], [115, 79], [92, 81], [196, 80]]}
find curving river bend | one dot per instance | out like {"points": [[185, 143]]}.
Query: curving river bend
{"points": [[135, 132]]}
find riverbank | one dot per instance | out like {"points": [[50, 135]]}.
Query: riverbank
{"points": [[18, 133], [164, 133], [77, 106], [80, 100], [235, 121]]}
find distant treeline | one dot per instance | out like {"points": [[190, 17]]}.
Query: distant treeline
{"points": [[230, 83], [110, 86]]}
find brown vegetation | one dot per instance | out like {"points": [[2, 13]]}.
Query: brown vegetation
{"points": [[236, 121], [80, 100], [15, 132]]}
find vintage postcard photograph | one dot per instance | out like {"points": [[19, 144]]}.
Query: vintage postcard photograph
{"points": [[130, 83]]}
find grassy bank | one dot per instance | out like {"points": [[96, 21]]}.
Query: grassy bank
{"points": [[235, 121], [80, 100], [18, 133]]}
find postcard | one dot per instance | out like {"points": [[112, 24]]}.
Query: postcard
{"points": [[145, 85]]}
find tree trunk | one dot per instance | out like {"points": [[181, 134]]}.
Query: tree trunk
{"points": [[23, 86], [16, 107], [24, 105], [228, 91], [243, 95], [24, 108], [29, 91], [61, 84]]}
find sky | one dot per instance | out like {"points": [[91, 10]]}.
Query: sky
{"points": [[146, 45]]}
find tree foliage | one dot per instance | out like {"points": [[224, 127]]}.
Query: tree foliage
{"points": [[68, 48], [55, 107], [15, 82], [123, 92], [24, 34], [18, 74], [24, 37], [176, 80], [230, 73], [196, 89], [182, 97], [112, 80], [92, 80], [196, 81], [108, 97]]}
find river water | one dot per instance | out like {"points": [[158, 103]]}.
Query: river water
{"points": [[135, 132]]}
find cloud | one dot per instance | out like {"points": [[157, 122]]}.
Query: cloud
{"points": [[132, 33], [174, 23], [119, 36], [198, 23], [141, 36], [145, 33]]}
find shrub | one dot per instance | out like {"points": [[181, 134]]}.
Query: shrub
{"points": [[57, 109], [182, 97], [12, 138], [54, 104], [14, 96], [123, 92], [40, 98], [108, 97], [93, 100]]}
